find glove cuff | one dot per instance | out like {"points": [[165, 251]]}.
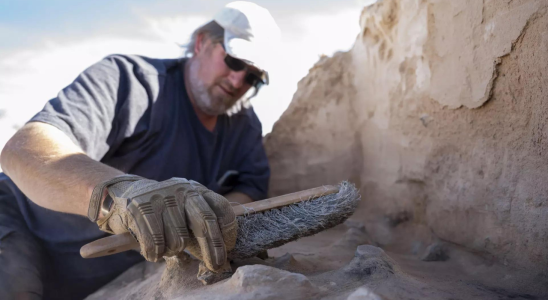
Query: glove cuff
{"points": [[98, 191]]}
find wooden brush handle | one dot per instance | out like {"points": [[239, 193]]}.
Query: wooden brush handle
{"points": [[123, 242]]}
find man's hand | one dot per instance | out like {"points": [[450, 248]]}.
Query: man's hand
{"points": [[159, 215]]}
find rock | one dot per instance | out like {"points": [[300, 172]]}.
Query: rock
{"points": [[370, 261], [287, 262], [206, 276], [259, 275], [436, 252], [263, 282], [363, 293]]}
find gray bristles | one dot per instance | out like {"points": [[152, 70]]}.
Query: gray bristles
{"points": [[276, 227]]}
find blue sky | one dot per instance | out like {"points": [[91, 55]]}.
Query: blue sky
{"points": [[23, 22], [45, 44]]}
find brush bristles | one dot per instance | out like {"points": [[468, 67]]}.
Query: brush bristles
{"points": [[276, 227]]}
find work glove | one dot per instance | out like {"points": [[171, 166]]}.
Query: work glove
{"points": [[160, 214]]}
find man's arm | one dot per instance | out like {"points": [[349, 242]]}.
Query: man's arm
{"points": [[55, 173], [51, 170], [54, 158]]}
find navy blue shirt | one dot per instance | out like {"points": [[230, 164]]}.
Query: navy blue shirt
{"points": [[133, 113]]}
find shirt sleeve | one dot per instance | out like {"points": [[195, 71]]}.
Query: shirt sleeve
{"points": [[85, 110], [253, 167]]}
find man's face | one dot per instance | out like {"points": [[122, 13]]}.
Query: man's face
{"points": [[215, 87]]}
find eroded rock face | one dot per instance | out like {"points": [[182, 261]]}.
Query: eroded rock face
{"points": [[383, 115], [315, 143]]}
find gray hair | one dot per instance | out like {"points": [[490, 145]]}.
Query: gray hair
{"points": [[211, 30]]}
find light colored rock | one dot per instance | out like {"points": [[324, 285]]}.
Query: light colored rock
{"points": [[260, 282], [363, 294], [249, 276]]}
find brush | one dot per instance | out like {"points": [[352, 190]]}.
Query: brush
{"points": [[267, 223]]}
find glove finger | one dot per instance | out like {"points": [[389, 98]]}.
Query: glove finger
{"points": [[176, 230], [148, 226], [203, 223], [225, 217]]}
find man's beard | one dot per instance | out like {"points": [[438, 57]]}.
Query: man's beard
{"points": [[203, 96]]}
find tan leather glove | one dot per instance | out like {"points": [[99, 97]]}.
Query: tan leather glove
{"points": [[159, 214]]}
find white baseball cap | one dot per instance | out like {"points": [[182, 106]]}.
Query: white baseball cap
{"points": [[251, 34]]}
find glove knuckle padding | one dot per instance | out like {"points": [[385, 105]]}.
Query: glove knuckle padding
{"points": [[160, 218], [150, 227], [204, 226], [225, 217]]}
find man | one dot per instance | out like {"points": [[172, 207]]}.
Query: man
{"points": [[108, 145]]}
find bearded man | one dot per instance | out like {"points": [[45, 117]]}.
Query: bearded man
{"points": [[140, 145]]}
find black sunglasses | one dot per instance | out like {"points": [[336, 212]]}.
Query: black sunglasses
{"points": [[253, 77]]}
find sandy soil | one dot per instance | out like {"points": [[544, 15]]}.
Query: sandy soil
{"points": [[337, 264]]}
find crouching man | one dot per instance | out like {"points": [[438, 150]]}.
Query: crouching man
{"points": [[140, 145]]}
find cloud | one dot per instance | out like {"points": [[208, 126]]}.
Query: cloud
{"points": [[175, 29]]}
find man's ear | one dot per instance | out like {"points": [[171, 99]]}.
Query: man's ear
{"points": [[200, 44]]}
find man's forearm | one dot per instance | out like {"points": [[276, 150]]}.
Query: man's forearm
{"points": [[51, 170]]}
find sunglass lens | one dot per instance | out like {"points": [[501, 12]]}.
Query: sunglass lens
{"points": [[234, 64], [252, 79], [238, 65]]}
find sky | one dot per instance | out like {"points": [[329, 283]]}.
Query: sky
{"points": [[45, 44]]}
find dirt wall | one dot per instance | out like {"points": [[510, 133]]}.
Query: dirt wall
{"points": [[439, 114]]}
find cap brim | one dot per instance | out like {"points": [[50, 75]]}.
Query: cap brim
{"points": [[244, 50]]}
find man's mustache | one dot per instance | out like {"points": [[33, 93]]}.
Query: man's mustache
{"points": [[229, 87]]}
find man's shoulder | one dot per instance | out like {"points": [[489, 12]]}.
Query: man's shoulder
{"points": [[140, 64]]}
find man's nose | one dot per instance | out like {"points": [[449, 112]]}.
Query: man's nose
{"points": [[237, 78]]}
